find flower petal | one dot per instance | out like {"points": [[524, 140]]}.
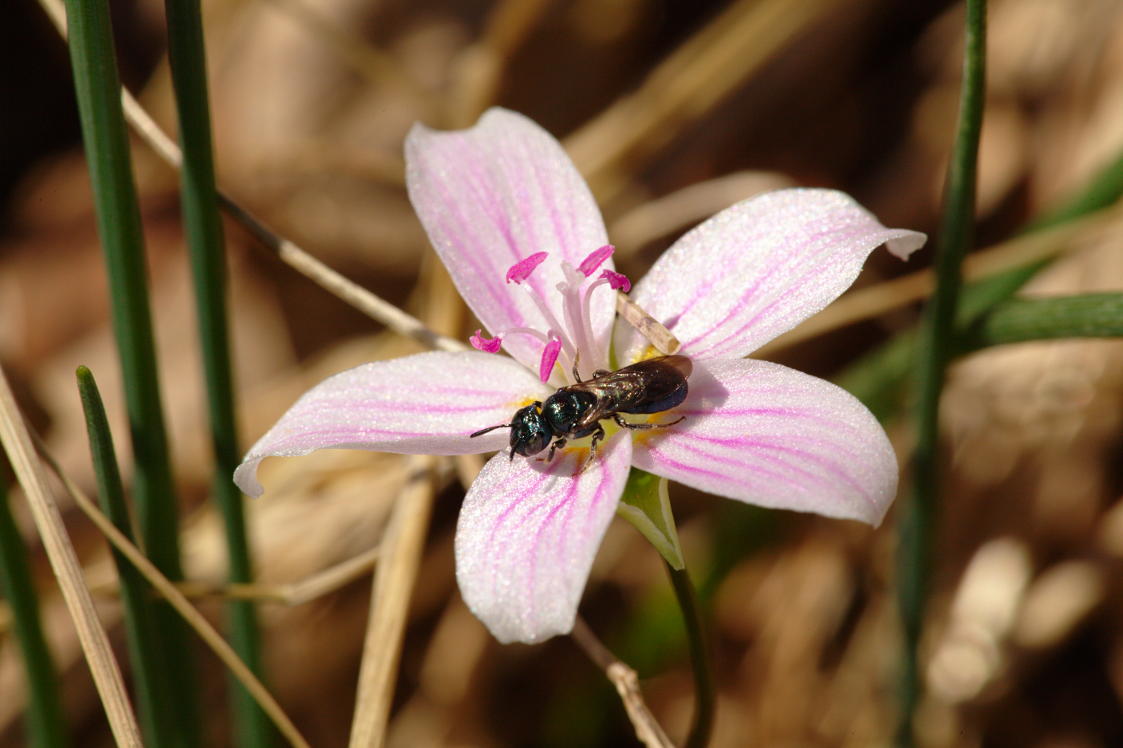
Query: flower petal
{"points": [[423, 404], [757, 270], [489, 197], [770, 435], [527, 536]]}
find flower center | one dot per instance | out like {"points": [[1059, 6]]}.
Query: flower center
{"points": [[569, 339]]}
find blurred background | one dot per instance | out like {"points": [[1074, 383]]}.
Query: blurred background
{"points": [[672, 111]]}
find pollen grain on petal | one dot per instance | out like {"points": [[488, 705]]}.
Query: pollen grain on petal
{"points": [[595, 259], [487, 345], [522, 269]]}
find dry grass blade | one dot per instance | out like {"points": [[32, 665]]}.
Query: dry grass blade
{"points": [[874, 301], [289, 252], [648, 730], [64, 562], [687, 85], [393, 583], [178, 601]]}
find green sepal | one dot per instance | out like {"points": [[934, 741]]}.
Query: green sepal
{"points": [[647, 505]]}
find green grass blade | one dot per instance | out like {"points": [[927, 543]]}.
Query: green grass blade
{"points": [[45, 725], [203, 227], [1102, 191], [934, 353], [154, 703], [103, 130], [1095, 315], [879, 379]]}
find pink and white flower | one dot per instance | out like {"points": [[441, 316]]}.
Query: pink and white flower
{"points": [[518, 230]]}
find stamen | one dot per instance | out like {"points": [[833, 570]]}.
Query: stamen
{"points": [[487, 345], [571, 307], [522, 269], [586, 304], [618, 281], [525, 331], [549, 358], [551, 320], [595, 259]]}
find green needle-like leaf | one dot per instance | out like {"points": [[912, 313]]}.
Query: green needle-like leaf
{"points": [[933, 354], [203, 227], [1097, 315], [97, 88], [154, 703]]}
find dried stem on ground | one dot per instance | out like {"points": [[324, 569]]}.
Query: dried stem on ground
{"points": [[389, 605], [177, 600], [64, 561]]}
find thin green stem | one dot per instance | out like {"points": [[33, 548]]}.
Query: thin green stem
{"points": [[155, 705], [704, 698], [203, 227], [45, 725], [934, 353], [107, 151]]}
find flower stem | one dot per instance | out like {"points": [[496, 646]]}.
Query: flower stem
{"points": [[934, 352], [704, 701]]}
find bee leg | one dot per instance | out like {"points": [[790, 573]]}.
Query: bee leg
{"points": [[643, 426], [558, 444], [597, 436]]}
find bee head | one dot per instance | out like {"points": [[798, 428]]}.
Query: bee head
{"points": [[530, 433]]}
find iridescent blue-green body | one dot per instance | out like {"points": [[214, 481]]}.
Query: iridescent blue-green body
{"points": [[575, 411]]}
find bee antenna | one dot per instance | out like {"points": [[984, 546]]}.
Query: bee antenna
{"points": [[481, 432]]}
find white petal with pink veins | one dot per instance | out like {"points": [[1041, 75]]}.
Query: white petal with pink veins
{"points": [[772, 436], [423, 404], [758, 269], [493, 195], [527, 536]]}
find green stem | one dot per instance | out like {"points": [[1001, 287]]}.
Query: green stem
{"points": [[97, 89], [934, 353], [45, 725], [155, 704], [203, 228], [704, 700]]}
